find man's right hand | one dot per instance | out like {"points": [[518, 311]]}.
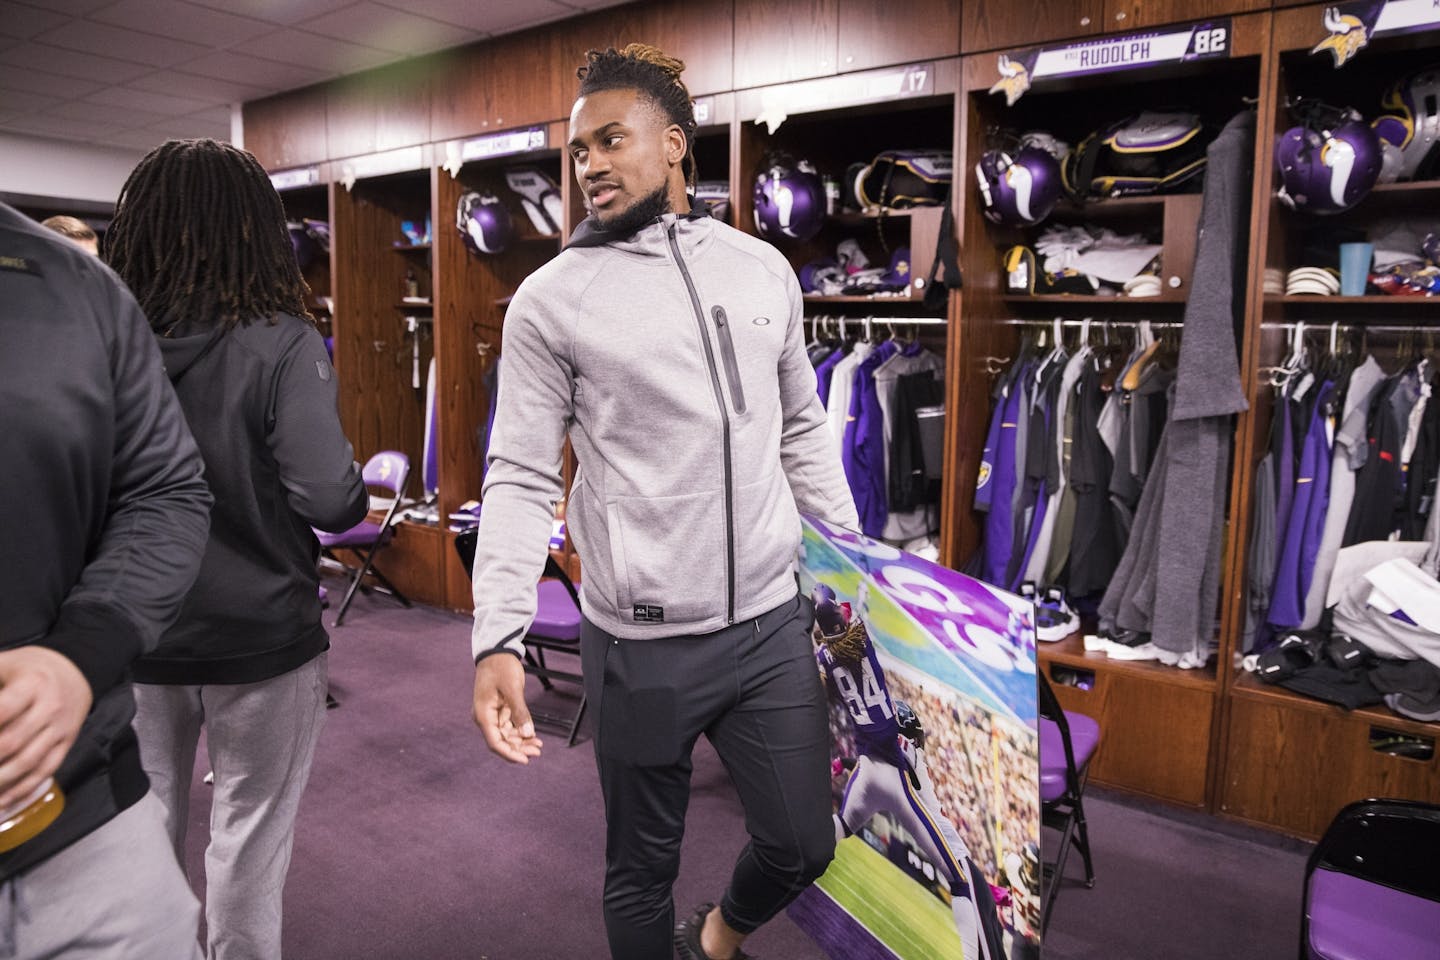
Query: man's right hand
{"points": [[500, 711], [44, 700]]}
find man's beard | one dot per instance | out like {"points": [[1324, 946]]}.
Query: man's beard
{"points": [[641, 212]]}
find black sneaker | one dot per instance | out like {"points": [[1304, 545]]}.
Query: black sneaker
{"points": [[687, 936]]}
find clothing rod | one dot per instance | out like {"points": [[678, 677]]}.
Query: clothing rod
{"points": [[1354, 327], [920, 321], [1070, 324]]}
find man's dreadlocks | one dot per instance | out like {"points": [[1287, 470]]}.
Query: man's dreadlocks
{"points": [[199, 236], [647, 69]]}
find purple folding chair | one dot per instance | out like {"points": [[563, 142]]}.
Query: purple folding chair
{"points": [[556, 627], [1372, 887], [387, 470], [1067, 742]]}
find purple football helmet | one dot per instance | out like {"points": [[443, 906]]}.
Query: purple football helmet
{"points": [[1019, 189], [1327, 163], [789, 200], [303, 244], [1410, 131], [484, 222]]}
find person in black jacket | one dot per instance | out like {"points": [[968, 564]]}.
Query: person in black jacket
{"points": [[199, 234], [104, 524]]}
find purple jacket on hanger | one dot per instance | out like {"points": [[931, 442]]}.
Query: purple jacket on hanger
{"points": [[823, 370], [999, 522], [1306, 521], [863, 450]]}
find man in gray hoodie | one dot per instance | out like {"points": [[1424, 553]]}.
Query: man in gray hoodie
{"points": [[670, 347]]}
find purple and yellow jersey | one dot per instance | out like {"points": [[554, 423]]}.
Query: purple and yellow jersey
{"points": [[862, 689]]}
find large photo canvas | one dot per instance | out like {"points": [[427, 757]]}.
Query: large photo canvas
{"points": [[935, 769]]}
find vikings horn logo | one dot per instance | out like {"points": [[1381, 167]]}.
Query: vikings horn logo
{"points": [[1014, 80], [1347, 35]]}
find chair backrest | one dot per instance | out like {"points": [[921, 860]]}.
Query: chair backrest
{"points": [[1395, 843], [1371, 883], [388, 470], [465, 548]]}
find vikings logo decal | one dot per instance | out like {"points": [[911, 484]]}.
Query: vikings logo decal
{"points": [[1014, 80], [1348, 35]]}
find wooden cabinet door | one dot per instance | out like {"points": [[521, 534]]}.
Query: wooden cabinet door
{"points": [[492, 86], [287, 130], [379, 110], [780, 42], [1008, 24], [874, 34], [700, 34], [1122, 15]]}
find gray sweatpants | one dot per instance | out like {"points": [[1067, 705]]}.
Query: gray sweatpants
{"points": [[116, 894], [261, 738]]}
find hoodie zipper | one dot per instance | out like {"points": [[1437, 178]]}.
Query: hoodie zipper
{"points": [[724, 426]]}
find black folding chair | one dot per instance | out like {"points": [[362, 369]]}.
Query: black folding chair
{"points": [[1372, 885], [556, 628], [1067, 742], [387, 470]]}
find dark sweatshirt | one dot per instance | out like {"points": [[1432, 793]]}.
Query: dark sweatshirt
{"points": [[261, 401], [105, 503]]}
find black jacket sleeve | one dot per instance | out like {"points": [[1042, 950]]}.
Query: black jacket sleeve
{"points": [[158, 517], [316, 462]]}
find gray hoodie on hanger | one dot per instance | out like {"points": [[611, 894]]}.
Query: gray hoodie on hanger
{"points": [[675, 359]]}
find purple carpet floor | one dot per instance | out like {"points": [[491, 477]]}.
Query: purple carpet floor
{"points": [[415, 843]]}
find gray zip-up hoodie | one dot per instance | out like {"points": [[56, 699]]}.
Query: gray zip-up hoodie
{"points": [[675, 358]]}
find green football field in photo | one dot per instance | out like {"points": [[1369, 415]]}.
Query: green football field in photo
{"points": [[911, 922]]}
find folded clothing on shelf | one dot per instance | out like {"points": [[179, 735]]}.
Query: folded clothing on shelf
{"points": [[1097, 252]]}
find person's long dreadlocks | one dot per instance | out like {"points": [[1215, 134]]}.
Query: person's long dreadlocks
{"points": [[642, 67], [200, 237]]}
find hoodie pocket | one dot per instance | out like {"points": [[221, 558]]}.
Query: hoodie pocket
{"points": [[727, 356], [669, 558]]}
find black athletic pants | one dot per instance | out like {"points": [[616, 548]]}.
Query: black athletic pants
{"points": [[753, 689]]}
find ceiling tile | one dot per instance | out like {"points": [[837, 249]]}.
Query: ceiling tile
{"points": [[389, 29], [146, 140], [314, 50], [59, 127], [36, 81], [40, 56], [183, 21], [100, 114], [492, 16], [147, 100], [71, 8], [104, 40], [219, 114], [20, 101], [239, 68], [284, 12], [191, 127], [213, 88], [25, 21]]}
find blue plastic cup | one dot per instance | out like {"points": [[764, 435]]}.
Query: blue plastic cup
{"points": [[1355, 268]]}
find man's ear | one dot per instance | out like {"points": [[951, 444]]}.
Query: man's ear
{"points": [[675, 144]]}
